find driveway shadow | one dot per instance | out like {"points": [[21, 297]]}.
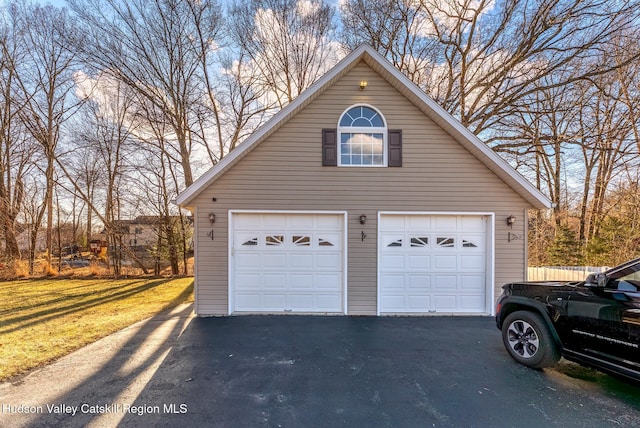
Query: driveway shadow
{"points": [[90, 386], [306, 371]]}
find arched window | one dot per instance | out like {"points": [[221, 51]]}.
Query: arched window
{"points": [[362, 137]]}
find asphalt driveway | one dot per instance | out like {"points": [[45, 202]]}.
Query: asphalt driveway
{"points": [[302, 371]]}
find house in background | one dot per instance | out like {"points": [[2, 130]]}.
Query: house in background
{"points": [[144, 233], [23, 237], [361, 197], [140, 233], [66, 234]]}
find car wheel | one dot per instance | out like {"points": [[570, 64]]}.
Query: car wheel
{"points": [[529, 341]]}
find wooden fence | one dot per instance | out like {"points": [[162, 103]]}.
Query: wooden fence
{"points": [[562, 273]]}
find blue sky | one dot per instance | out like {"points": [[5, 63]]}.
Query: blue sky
{"points": [[58, 3], [53, 2]]}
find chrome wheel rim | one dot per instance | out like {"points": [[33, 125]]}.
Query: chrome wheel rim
{"points": [[523, 339]]}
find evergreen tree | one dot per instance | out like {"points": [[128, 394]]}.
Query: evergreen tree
{"points": [[565, 249]]}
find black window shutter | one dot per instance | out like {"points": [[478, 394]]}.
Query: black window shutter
{"points": [[395, 147], [329, 147]]}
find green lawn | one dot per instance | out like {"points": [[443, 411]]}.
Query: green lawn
{"points": [[44, 319]]}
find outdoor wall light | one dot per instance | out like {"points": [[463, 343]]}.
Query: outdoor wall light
{"points": [[363, 84], [212, 218], [511, 220], [363, 219]]}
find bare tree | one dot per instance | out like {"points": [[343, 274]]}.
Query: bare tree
{"points": [[88, 171], [45, 79], [157, 49], [608, 146], [16, 150], [576, 141], [157, 184], [30, 215], [106, 137], [480, 58], [394, 29], [542, 137], [240, 98], [289, 41]]}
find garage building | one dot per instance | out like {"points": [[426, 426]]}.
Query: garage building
{"points": [[361, 197]]}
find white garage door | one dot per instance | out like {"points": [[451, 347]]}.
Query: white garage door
{"points": [[432, 263], [287, 262]]}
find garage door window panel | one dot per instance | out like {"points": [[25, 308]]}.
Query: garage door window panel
{"points": [[322, 242], [468, 244], [251, 242], [301, 241], [445, 242], [275, 240], [420, 242], [392, 241]]}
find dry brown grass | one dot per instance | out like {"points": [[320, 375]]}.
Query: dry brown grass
{"points": [[48, 270], [19, 269]]}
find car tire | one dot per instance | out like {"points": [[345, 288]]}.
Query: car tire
{"points": [[528, 340]]}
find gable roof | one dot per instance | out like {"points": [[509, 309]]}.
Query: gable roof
{"points": [[406, 87]]}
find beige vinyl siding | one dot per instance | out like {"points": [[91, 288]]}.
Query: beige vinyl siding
{"points": [[285, 172], [210, 262]]}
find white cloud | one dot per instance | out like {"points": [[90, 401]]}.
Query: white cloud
{"points": [[448, 14], [307, 7]]}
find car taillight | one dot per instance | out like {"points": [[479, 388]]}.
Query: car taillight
{"points": [[498, 308]]}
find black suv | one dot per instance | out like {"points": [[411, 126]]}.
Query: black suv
{"points": [[595, 322]]}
